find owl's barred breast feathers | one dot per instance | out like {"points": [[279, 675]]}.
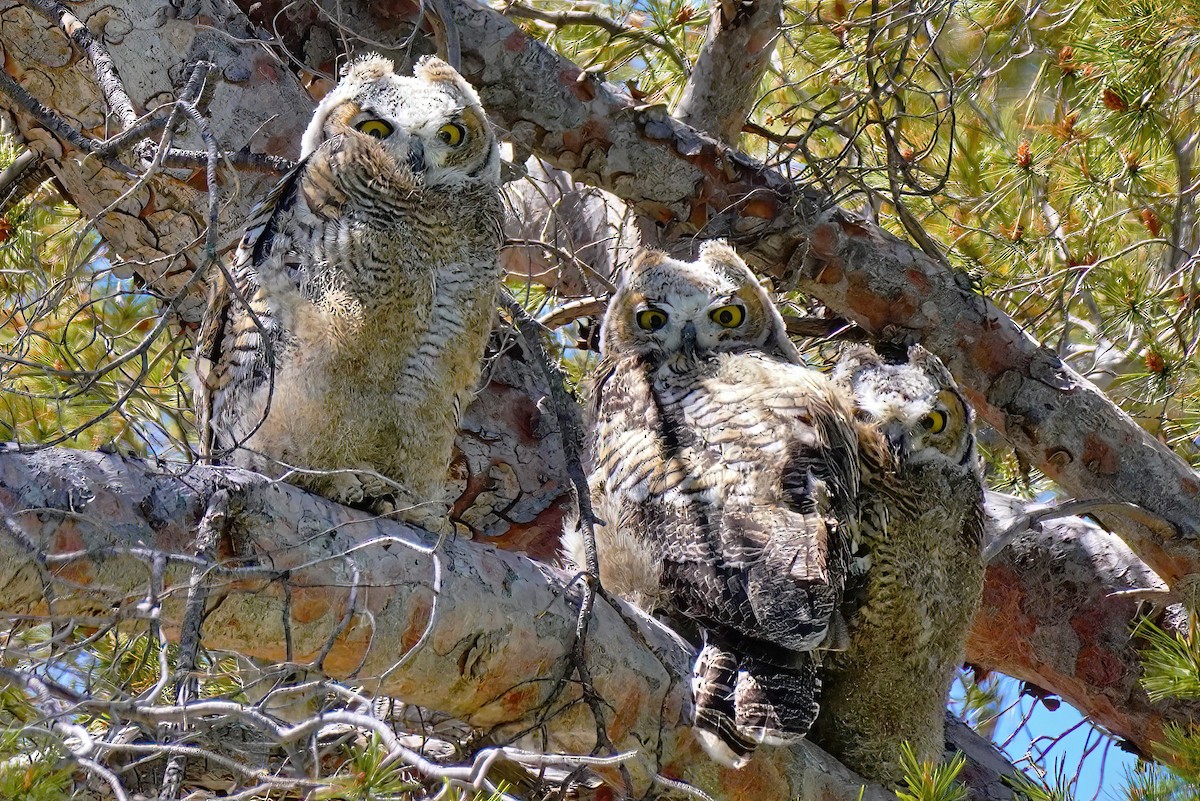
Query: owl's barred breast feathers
{"points": [[728, 475], [364, 293], [910, 612]]}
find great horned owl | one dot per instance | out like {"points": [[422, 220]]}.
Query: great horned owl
{"points": [[727, 474], [364, 292], [921, 541]]}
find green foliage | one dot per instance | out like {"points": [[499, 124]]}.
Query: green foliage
{"points": [[1154, 783], [1170, 669], [85, 359], [1170, 662], [662, 37], [1059, 788], [370, 774], [980, 704], [930, 780], [32, 767]]}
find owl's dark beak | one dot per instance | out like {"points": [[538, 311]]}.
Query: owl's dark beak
{"points": [[416, 156], [687, 340], [896, 440]]}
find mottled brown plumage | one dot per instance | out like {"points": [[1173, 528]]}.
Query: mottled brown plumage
{"points": [[727, 474], [919, 571], [363, 294]]}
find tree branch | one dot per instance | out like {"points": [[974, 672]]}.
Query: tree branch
{"points": [[255, 105], [723, 87], [1060, 604], [483, 642]]}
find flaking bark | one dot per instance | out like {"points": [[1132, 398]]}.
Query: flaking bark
{"points": [[691, 185], [500, 627], [723, 86], [486, 647]]}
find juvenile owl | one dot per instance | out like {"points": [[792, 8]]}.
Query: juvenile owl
{"points": [[363, 294], [921, 541], [727, 474]]}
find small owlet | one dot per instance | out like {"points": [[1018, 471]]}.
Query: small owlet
{"points": [[364, 293], [727, 474], [922, 534]]}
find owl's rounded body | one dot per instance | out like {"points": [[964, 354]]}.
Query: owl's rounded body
{"points": [[910, 611], [727, 475], [363, 296]]}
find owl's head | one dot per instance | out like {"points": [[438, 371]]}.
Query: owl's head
{"points": [[665, 309], [915, 404], [431, 125]]}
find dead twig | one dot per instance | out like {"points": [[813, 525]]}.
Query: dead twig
{"points": [[567, 412], [570, 312], [616, 30], [106, 71]]}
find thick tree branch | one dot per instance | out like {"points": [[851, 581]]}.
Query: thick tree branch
{"points": [[477, 633], [723, 86], [490, 643], [1060, 604], [156, 229]]}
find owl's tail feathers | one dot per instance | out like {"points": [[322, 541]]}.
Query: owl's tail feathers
{"points": [[714, 683], [776, 703], [743, 700]]}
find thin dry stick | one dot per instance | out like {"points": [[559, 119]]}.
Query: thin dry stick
{"points": [[567, 414], [106, 71]]}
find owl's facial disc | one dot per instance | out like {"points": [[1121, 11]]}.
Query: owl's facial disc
{"points": [[689, 325], [919, 423]]}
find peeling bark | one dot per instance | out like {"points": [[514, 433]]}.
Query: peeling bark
{"points": [[487, 647], [1059, 609], [254, 103], [723, 86]]}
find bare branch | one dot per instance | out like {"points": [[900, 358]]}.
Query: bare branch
{"points": [[570, 312], [560, 19], [723, 86], [503, 629], [106, 71]]}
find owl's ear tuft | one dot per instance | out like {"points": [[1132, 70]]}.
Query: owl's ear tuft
{"points": [[368, 67], [434, 70], [930, 365], [719, 250], [853, 361], [645, 259], [723, 258], [358, 73]]}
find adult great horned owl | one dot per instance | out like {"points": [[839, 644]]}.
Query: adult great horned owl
{"points": [[727, 474], [922, 532], [363, 295]]}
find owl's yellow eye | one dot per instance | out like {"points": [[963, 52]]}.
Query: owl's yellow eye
{"points": [[452, 134], [728, 316], [377, 129], [934, 422], [651, 319]]}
